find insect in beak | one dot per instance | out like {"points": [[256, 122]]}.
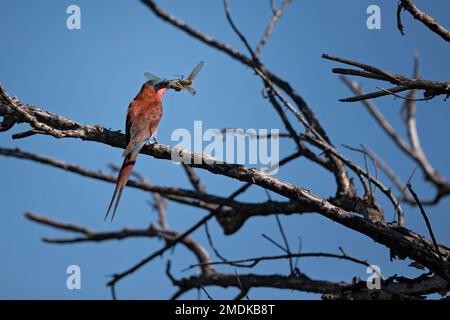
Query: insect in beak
{"points": [[174, 84], [180, 83]]}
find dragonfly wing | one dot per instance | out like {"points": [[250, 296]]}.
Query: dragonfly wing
{"points": [[191, 90], [196, 70], [152, 77]]}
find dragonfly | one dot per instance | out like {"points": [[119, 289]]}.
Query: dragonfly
{"points": [[180, 83]]}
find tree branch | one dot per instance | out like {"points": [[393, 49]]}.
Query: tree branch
{"points": [[431, 88], [275, 17], [421, 16], [379, 232], [88, 235], [412, 149]]}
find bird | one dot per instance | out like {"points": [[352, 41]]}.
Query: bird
{"points": [[143, 116]]}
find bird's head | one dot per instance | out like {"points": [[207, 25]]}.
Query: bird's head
{"points": [[158, 84], [161, 85]]}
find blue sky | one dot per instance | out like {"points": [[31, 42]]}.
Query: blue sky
{"points": [[90, 75]]}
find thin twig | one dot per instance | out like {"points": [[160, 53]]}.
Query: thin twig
{"points": [[206, 292], [243, 290], [402, 97], [242, 294], [251, 262], [286, 243], [236, 30], [276, 16], [275, 243], [427, 222], [117, 277]]}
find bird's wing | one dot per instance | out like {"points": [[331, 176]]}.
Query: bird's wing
{"points": [[142, 121]]}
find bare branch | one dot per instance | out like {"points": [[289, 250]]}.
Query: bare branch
{"points": [[236, 30], [345, 207], [251, 262], [421, 16], [355, 168], [286, 242], [392, 288], [381, 74], [201, 200], [242, 294], [427, 222], [300, 283], [250, 62], [194, 179], [179, 238], [206, 292], [231, 216], [378, 231], [59, 225], [388, 172], [411, 149], [276, 16], [27, 134], [88, 235], [255, 135], [402, 83], [344, 183]]}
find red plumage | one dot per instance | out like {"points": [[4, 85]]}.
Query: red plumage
{"points": [[143, 116]]}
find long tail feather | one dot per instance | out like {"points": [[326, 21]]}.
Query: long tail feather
{"points": [[124, 174]]}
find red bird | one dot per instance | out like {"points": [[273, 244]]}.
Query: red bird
{"points": [[143, 116]]}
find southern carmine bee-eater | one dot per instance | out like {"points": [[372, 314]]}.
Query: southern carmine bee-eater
{"points": [[143, 116]]}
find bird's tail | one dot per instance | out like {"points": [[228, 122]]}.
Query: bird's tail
{"points": [[124, 174]]}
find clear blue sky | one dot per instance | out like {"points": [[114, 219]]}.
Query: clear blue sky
{"points": [[90, 75]]}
